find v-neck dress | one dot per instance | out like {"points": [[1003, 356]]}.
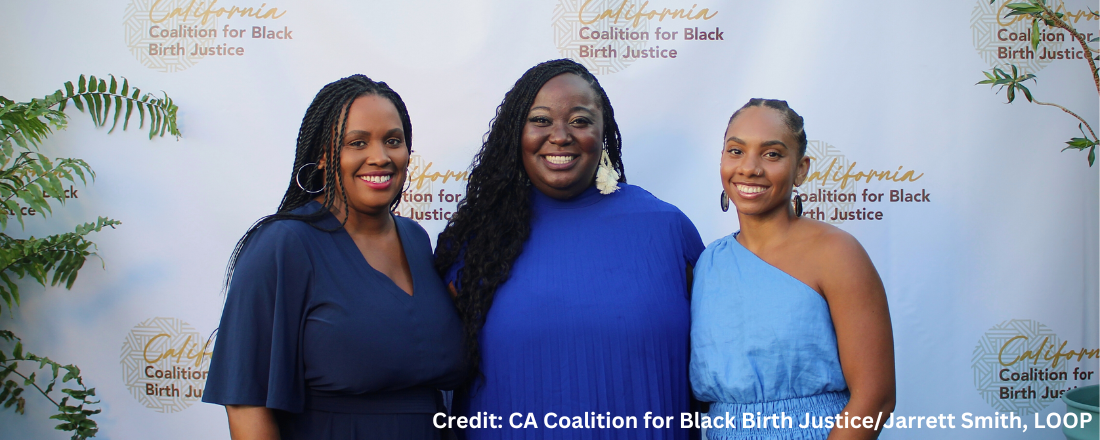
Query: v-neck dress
{"points": [[312, 331], [762, 342]]}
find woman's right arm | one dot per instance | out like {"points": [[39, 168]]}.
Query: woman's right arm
{"points": [[251, 423], [256, 367]]}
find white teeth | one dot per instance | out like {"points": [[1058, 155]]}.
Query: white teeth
{"points": [[750, 189], [559, 160], [376, 179]]}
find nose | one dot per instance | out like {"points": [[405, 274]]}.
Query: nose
{"points": [[378, 155], [559, 134], [749, 166]]}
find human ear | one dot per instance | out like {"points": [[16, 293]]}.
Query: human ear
{"points": [[802, 171]]}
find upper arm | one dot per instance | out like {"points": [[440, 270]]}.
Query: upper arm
{"points": [[251, 423], [256, 358], [861, 316]]}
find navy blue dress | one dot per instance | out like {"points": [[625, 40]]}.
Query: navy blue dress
{"points": [[339, 351], [592, 323]]}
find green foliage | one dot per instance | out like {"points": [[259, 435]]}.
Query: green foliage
{"points": [[61, 254], [31, 180], [1041, 13], [1081, 143], [1012, 82], [27, 123], [74, 410]]}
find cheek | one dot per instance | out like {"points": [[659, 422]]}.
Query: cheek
{"points": [[727, 168]]}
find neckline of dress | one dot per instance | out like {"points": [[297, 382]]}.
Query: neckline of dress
{"points": [[349, 245], [590, 196], [772, 267]]}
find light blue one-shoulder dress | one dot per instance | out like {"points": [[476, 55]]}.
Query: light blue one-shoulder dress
{"points": [[762, 342]]}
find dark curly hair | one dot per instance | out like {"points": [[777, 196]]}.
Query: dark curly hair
{"points": [[319, 138], [487, 233]]}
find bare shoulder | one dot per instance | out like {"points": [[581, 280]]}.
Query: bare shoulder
{"points": [[837, 256], [827, 241]]}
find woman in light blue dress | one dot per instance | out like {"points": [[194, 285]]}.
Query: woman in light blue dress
{"points": [[790, 330]]}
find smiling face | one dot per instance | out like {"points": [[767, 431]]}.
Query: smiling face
{"points": [[761, 163], [373, 155], [563, 137]]}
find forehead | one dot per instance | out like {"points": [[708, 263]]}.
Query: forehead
{"points": [[760, 124], [372, 109], [566, 90]]}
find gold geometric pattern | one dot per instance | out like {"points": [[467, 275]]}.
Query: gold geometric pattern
{"points": [[822, 156], [408, 199], [985, 24], [987, 366], [567, 25], [166, 54], [164, 364]]}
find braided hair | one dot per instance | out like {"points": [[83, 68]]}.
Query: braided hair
{"points": [[319, 139], [793, 120], [493, 221]]}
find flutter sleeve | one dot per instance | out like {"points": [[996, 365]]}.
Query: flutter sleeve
{"points": [[257, 357], [690, 241], [454, 273]]}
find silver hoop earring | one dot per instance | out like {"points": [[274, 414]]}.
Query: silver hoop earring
{"points": [[298, 179], [408, 182]]}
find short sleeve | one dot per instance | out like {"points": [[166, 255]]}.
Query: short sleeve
{"points": [[257, 357], [454, 273], [691, 242]]}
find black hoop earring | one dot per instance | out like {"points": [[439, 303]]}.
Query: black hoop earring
{"points": [[298, 178], [725, 201], [797, 202]]}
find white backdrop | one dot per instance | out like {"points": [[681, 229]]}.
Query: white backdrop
{"points": [[1006, 244]]}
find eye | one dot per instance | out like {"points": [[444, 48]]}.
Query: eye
{"points": [[733, 151], [358, 143], [541, 121], [394, 142], [773, 155], [581, 122]]}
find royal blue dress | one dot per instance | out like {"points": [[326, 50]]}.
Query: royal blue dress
{"points": [[592, 321], [339, 351], [762, 342]]}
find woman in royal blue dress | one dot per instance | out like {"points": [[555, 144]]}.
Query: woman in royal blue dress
{"points": [[789, 317], [572, 284], [336, 325]]}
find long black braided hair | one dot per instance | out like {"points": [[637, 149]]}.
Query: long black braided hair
{"points": [[494, 219], [319, 139]]}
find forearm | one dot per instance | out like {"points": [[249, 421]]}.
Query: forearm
{"points": [[877, 406], [251, 423]]}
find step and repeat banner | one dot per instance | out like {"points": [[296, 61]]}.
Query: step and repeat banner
{"points": [[984, 233]]}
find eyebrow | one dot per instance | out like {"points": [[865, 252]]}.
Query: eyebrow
{"points": [[579, 107], [391, 132], [762, 144]]}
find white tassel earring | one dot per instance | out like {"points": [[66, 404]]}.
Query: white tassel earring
{"points": [[607, 179]]}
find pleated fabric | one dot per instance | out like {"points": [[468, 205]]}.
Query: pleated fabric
{"points": [[762, 342], [592, 324]]}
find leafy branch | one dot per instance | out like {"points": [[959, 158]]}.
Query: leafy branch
{"points": [[33, 178], [74, 417], [28, 123], [30, 180], [1040, 12], [61, 255]]}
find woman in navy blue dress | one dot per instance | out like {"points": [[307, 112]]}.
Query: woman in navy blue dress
{"points": [[572, 284], [336, 325]]}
